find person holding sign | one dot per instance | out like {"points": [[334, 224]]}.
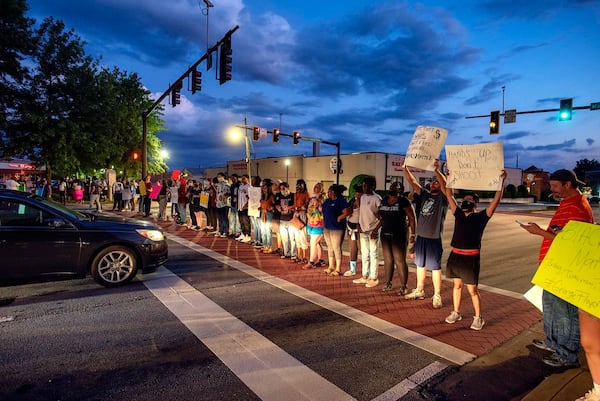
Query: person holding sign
{"points": [[463, 264], [561, 321], [430, 224]]}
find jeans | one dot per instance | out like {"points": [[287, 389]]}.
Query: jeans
{"points": [[244, 222], [182, 212], [393, 248], [266, 230], [288, 238], [561, 325], [368, 250], [256, 225], [223, 217], [234, 221]]}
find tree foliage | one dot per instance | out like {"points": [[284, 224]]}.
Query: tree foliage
{"points": [[584, 165], [71, 115]]}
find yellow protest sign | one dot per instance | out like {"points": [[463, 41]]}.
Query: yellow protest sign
{"points": [[571, 268]]}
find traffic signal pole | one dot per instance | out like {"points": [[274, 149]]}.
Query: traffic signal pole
{"points": [[173, 86]]}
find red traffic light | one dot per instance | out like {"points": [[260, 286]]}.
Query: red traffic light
{"points": [[296, 137], [276, 133], [255, 133]]}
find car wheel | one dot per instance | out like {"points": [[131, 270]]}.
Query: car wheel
{"points": [[114, 266]]}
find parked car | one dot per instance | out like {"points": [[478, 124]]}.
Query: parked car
{"points": [[39, 237]]}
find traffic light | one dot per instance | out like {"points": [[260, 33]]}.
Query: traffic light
{"points": [[255, 133], [494, 122], [176, 94], [135, 156], [566, 110], [225, 60], [296, 137], [196, 81], [276, 135]]}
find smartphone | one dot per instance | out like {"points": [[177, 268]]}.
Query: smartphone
{"points": [[521, 223]]}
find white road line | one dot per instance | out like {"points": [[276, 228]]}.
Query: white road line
{"points": [[266, 369], [448, 352], [414, 380]]}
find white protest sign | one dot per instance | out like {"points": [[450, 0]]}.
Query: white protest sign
{"points": [[425, 147], [254, 201], [475, 166]]}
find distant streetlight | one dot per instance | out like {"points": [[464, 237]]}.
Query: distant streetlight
{"points": [[164, 154], [287, 163], [235, 134]]}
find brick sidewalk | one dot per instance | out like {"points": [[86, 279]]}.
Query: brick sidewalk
{"points": [[505, 316]]}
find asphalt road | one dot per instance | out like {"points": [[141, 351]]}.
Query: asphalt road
{"points": [[201, 329]]}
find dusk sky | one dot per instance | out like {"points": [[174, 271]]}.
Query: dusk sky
{"points": [[364, 73]]}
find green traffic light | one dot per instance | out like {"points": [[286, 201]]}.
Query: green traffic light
{"points": [[566, 110]]}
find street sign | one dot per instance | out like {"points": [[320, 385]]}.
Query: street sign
{"points": [[595, 106], [262, 132], [510, 116]]}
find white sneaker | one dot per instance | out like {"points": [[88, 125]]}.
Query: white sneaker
{"points": [[478, 323], [590, 396], [453, 317], [437, 301], [247, 240], [361, 280], [349, 273], [372, 283]]}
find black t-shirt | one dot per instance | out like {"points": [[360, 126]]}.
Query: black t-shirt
{"points": [[393, 217], [286, 202], [468, 230]]}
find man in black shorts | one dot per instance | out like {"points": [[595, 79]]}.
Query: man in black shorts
{"points": [[464, 261]]}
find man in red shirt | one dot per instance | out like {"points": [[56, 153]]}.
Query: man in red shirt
{"points": [[561, 321]]}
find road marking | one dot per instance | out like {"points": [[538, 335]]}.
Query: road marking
{"points": [[411, 382], [446, 351], [267, 370]]}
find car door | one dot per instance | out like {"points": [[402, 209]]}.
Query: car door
{"points": [[34, 241]]}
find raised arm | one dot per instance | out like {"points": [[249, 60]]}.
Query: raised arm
{"points": [[440, 176], [412, 180], [496, 201]]}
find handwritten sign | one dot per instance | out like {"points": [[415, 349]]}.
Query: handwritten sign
{"points": [[425, 147], [571, 268], [254, 201], [475, 166]]}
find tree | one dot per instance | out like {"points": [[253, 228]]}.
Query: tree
{"points": [[15, 43], [74, 117], [584, 165]]}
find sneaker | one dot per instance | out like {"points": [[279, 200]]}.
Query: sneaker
{"points": [[478, 323], [223, 235], [372, 283], [349, 273], [361, 280], [404, 291], [387, 288], [541, 344], [437, 301], [453, 317], [246, 240], [590, 396], [558, 362], [415, 294]]}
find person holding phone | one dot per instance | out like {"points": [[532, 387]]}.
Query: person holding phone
{"points": [[561, 319]]}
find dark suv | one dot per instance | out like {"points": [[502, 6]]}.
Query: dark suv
{"points": [[39, 237]]}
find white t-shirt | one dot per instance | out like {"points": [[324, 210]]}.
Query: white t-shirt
{"points": [[243, 196], [11, 184], [369, 207]]}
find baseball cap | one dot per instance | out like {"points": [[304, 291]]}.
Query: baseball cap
{"points": [[565, 175]]}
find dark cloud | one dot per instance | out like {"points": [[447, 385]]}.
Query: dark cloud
{"points": [[566, 145]]}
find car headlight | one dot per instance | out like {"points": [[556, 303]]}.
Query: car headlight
{"points": [[154, 235]]}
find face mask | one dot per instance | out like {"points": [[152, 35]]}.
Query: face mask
{"points": [[467, 205]]}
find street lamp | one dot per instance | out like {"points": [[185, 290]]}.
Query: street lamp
{"points": [[235, 134], [287, 163]]}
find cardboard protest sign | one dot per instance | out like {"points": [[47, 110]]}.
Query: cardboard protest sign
{"points": [[425, 147], [475, 167], [571, 268], [254, 201]]}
